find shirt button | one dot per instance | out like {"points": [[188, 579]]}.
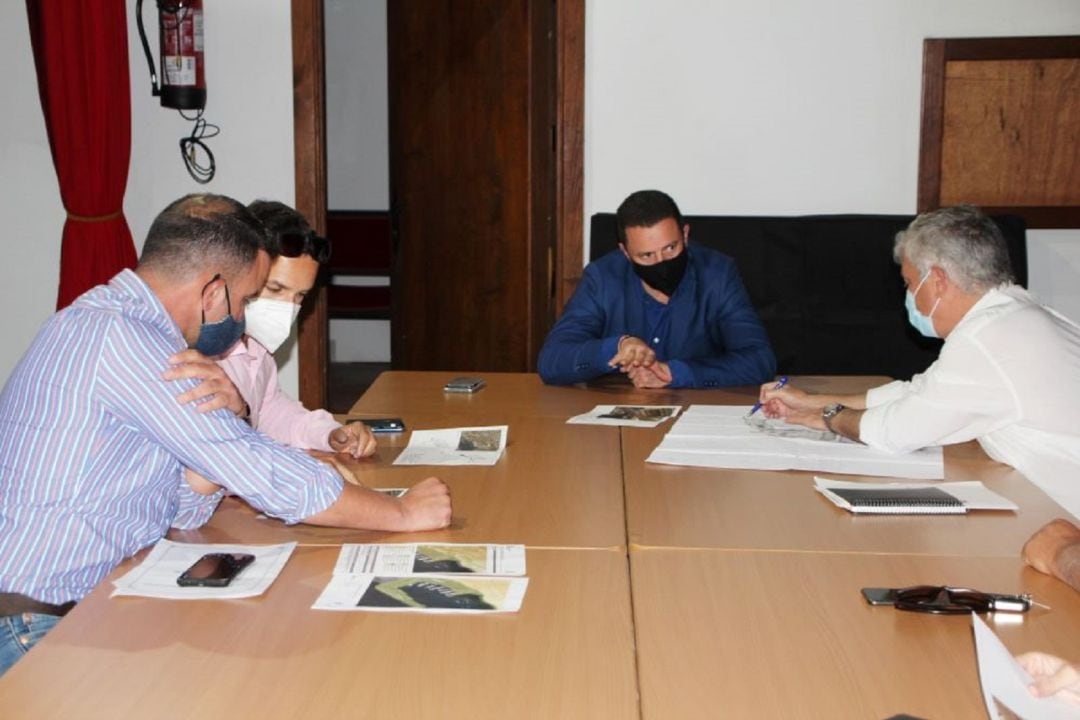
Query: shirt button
{"points": [[656, 341]]}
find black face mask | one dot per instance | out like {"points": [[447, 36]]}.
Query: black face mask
{"points": [[664, 276]]}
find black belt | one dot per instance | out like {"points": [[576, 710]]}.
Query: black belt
{"points": [[16, 604]]}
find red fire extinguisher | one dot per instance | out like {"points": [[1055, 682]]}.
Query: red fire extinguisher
{"points": [[183, 77], [183, 67]]}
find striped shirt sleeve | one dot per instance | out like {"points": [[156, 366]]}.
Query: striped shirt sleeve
{"points": [[282, 482]]}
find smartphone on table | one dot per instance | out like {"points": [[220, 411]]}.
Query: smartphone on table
{"points": [[215, 570], [880, 596], [382, 425], [464, 385]]}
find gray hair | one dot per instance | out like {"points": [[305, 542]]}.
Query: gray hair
{"points": [[963, 242]]}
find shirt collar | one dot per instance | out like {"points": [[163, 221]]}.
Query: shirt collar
{"points": [[145, 302], [240, 348]]}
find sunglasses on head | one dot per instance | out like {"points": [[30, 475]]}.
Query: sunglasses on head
{"points": [[293, 245]]}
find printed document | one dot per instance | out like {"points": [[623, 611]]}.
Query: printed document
{"points": [[156, 575], [418, 558], [433, 578], [627, 415], [455, 446], [719, 436]]}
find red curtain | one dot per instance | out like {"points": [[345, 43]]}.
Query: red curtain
{"points": [[81, 54]]}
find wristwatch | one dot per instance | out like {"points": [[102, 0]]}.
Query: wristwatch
{"points": [[829, 412]]}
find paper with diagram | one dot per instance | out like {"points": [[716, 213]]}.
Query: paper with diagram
{"points": [[719, 436], [455, 446]]}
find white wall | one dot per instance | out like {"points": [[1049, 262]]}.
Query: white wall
{"points": [[29, 198], [751, 107], [249, 96], [249, 80], [358, 175], [786, 107]]}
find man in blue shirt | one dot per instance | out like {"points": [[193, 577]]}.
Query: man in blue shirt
{"points": [[93, 445], [665, 313]]}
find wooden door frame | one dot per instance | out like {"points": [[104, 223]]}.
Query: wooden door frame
{"points": [[309, 142], [309, 138]]}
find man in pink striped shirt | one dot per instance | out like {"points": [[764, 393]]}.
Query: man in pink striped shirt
{"points": [[249, 384]]}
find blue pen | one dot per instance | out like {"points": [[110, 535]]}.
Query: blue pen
{"points": [[780, 382]]}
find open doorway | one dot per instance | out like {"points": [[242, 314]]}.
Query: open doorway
{"points": [[551, 265]]}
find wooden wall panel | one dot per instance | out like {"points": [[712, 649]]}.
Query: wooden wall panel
{"points": [[470, 198], [1011, 132], [1001, 127]]}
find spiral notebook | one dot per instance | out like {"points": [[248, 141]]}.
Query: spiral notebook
{"points": [[954, 498]]}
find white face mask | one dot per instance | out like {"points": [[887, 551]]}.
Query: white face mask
{"points": [[269, 321]]}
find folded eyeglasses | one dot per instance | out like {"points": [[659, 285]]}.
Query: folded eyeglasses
{"points": [[945, 600]]}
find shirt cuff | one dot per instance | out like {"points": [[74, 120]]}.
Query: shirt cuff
{"points": [[317, 428], [872, 429], [195, 508], [681, 374], [885, 394], [608, 348]]}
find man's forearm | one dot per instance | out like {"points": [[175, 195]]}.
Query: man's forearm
{"points": [[854, 402], [847, 422], [360, 508], [426, 506]]}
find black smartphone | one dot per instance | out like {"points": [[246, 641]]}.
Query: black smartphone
{"points": [[880, 596], [215, 570], [383, 425]]}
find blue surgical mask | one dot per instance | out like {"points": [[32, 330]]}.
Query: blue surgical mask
{"points": [[920, 322], [217, 337]]}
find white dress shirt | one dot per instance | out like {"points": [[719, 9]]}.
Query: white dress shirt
{"points": [[1008, 376]]}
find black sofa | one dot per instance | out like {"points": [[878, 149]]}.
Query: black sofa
{"points": [[825, 286]]}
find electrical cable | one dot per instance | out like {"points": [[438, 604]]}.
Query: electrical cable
{"points": [[198, 159]]}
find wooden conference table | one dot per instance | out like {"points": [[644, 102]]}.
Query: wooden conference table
{"points": [[655, 592]]}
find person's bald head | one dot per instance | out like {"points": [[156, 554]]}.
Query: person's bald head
{"points": [[198, 232]]}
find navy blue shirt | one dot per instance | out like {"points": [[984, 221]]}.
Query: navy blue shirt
{"points": [[708, 333]]}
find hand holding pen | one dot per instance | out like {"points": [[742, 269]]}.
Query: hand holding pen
{"points": [[780, 382]]}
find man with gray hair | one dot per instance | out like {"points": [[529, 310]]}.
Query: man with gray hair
{"points": [[1008, 374]]}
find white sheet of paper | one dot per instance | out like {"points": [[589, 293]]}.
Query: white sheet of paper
{"points": [[434, 558], [156, 575], [972, 493], [716, 436], [455, 446], [626, 415], [423, 593], [1003, 678]]}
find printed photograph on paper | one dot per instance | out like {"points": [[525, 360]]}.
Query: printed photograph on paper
{"points": [[484, 440], [435, 593], [450, 559], [638, 412]]}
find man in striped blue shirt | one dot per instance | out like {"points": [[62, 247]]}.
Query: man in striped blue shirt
{"points": [[93, 444]]}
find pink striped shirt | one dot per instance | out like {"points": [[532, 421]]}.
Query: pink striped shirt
{"points": [[254, 373]]}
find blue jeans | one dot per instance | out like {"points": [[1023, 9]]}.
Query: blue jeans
{"points": [[19, 633]]}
